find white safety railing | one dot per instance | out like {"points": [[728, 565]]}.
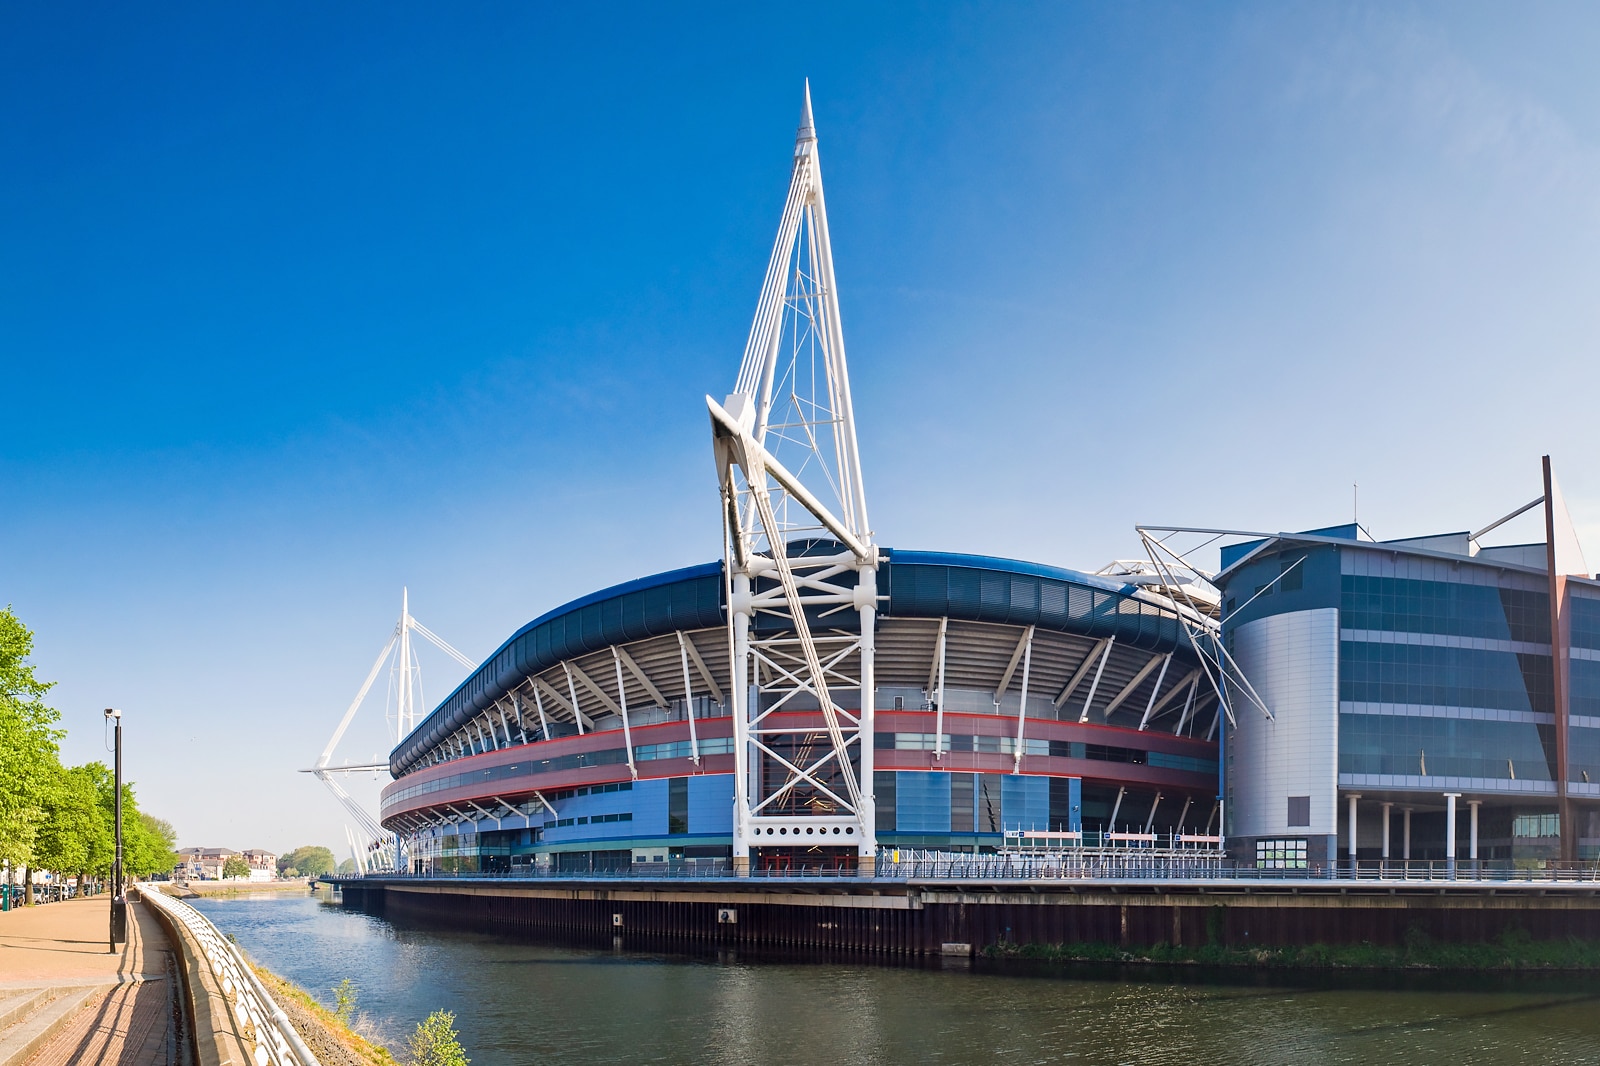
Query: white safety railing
{"points": [[267, 1030]]}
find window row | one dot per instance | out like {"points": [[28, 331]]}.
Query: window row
{"points": [[1406, 605], [1445, 747], [1444, 677]]}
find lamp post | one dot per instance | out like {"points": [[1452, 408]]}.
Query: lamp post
{"points": [[119, 903]]}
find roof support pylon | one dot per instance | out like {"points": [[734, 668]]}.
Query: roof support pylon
{"points": [[800, 553]]}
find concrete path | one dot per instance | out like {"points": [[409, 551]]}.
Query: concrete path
{"points": [[77, 1002]]}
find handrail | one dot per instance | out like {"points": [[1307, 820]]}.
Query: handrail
{"points": [[1114, 861], [258, 1016]]}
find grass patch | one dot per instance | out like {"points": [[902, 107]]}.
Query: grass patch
{"points": [[1513, 952], [304, 1010]]}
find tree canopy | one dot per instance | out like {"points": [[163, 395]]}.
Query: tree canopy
{"points": [[30, 767], [59, 817], [309, 861]]}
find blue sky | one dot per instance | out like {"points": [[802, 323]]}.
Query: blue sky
{"points": [[299, 305]]}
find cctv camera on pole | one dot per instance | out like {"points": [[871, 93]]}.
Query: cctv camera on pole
{"points": [[119, 902]]}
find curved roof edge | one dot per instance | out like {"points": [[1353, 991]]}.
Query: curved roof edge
{"points": [[983, 588]]}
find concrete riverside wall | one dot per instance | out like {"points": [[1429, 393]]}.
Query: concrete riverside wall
{"points": [[215, 1041], [923, 920]]}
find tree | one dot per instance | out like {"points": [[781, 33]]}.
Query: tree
{"points": [[235, 866], [75, 836], [310, 861], [434, 1043], [146, 841], [347, 868], [161, 840], [29, 763]]}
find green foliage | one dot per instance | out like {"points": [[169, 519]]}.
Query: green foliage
{"points": [[55, 817], [29, 765], [344, 1000], [310, 861], [288, 871], [162, 840], [435, 1044], [75, 835], [347, 868], [235, 866]]}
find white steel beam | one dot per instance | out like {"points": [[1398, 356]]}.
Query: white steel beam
{"points": [[938, 714], [1150, 704], [1022, 706], [705, 672], [622, 694], [643, 678], [1083, 669], [688, 698], [1094, 686]]}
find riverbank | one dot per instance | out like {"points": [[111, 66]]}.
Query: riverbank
{"points": [[333, 1042], [239, 888], [1510, 954]]}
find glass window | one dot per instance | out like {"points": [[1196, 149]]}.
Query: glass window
{"points": [[1445, 747], [1370, 672]]}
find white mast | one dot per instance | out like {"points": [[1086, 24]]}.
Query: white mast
{"points": [[406, 671], [799, 551]]}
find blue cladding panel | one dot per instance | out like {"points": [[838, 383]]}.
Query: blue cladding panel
{"points": [[930, 585], [650, 808], [1025, 802], [922, 802], [710, 804]]}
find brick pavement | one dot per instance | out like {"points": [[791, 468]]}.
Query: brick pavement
{"points": [[133, 1023]]}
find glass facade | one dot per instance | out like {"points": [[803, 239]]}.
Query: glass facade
{"points": [[1409, 605], [1417, 746], [1427, 675]]}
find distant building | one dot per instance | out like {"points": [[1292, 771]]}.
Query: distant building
{"points": [[263, 864], [202, 864]]}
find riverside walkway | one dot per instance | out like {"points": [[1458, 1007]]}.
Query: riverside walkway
{"points": [[64, 998]]}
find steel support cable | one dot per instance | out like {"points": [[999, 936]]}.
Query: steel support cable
{"points": [[1206, 659], [1223, 659], [768, 308]]}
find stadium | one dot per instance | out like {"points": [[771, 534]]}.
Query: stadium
{"points": [[1010, 696], [814, 700]]}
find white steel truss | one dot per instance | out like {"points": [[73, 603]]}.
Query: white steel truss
{"points": [[406, 687], [799, 551]]}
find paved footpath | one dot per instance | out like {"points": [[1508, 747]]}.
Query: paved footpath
{"points": [[133, 1022]]}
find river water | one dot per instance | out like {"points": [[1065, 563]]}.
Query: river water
{"points": [[527, 1002]]}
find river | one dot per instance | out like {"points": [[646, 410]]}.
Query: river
{"points": [[523, 1002]]}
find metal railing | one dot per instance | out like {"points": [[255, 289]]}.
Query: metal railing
{"points": [[271, 1037], [1115, 862]]}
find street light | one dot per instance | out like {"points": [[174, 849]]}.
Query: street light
{"points": [[119, 903]]}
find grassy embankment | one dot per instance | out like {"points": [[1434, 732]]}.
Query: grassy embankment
{"points": [[1510, 953], [333, 1041]]}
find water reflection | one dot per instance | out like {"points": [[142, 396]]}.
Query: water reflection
{"points": [[521, 1002]]}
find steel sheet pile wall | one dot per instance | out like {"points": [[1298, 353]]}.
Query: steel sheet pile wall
{"points": [[935, 921]]}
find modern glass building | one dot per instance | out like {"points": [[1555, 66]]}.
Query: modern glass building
{"points": [[1009, 695], [1429, 698]]}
